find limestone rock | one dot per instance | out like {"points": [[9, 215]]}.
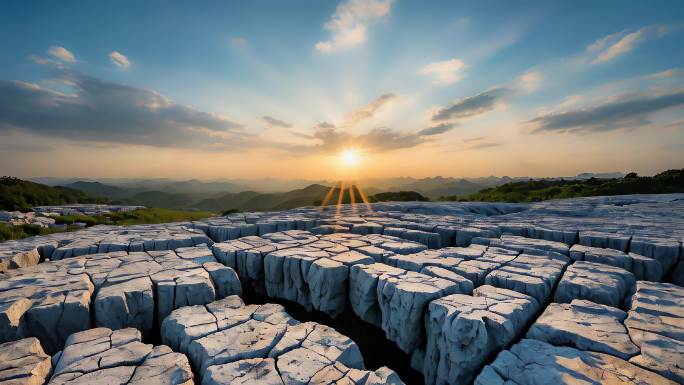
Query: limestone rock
{"points": [[599, 283], [463, 330], [101, 355], [230, 343], [535, 275], [403, 301], [586, 326], [531, 362], [656, 325], [24, 362]]}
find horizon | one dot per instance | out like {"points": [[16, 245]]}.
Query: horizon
{"points": [[313, 180], [377, 89]]}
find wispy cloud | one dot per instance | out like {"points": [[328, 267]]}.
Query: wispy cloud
{"points": [[349, 23], [120, 60], [620, 43], [474, 143], [472, 105], [444, 72], [623, 113], [274, 122], [99, 111], [530, 81], [369, 110], [61, 53], [437, 130], [381, 139], [673, 72], [487, 100]]}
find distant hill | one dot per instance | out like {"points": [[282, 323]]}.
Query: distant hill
{"points": [[159, 199], [99, 189], [400, 196], [438, 187], [17, 194], [671, 181]]}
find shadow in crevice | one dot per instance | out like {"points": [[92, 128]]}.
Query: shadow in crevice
{"points": [[377, 351]]}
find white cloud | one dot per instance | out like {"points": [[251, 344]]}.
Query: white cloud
{"points": [[61, 53], [530, 81], [444, 72], [349, 23], [120, 60], [370, 110], [664, 74], [620, 43]]}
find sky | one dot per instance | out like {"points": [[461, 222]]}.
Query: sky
{"points": [[254, 89]]}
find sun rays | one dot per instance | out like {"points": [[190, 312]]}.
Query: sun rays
{"points": [[347, 189]]}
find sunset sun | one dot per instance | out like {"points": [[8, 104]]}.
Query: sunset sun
{"points": [[350, 157]]}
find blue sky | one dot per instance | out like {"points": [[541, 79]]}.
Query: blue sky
{"points": [[420, 88]]}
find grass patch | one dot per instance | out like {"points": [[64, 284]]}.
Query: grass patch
{"points": [[136, 217]]}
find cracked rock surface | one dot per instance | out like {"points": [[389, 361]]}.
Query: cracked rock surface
{"points": [[230, 342], [532, 362], [24, 362], [596, 282], [656, 325], [586, 326], [103, 356], [463, 331], [52, 300]]}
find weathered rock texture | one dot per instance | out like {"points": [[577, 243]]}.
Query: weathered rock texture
{"points": [[463, 331], [596, 282], [586, 326], [52, 300], [103, 356], [24, 362], [229, 343], [656, 325], [532, 362]]}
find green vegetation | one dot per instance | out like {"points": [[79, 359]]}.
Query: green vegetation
{"points": [[401, 196], [671, 181], [24, 231], [141, 216], [21, 195], [136, 217]]}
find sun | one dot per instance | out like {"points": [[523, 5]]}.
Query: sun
{"points": [[350, 157]]}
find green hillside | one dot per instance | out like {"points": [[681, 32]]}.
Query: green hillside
{"points": [[400, 196], [671, 181], [17, 194], [438, 187], [99, 189]]}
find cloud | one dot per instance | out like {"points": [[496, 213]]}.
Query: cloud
{"points": [[120, 60], [99, 111], [436, 130], [475, 143], [673, 72], [620, 43], [349, 23], [24, 147], [472, 105], [530, 81], [61, 53], [481, 145], [331, 139], [271, 121], [369, 110], [615, 115], [444, 72]]}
